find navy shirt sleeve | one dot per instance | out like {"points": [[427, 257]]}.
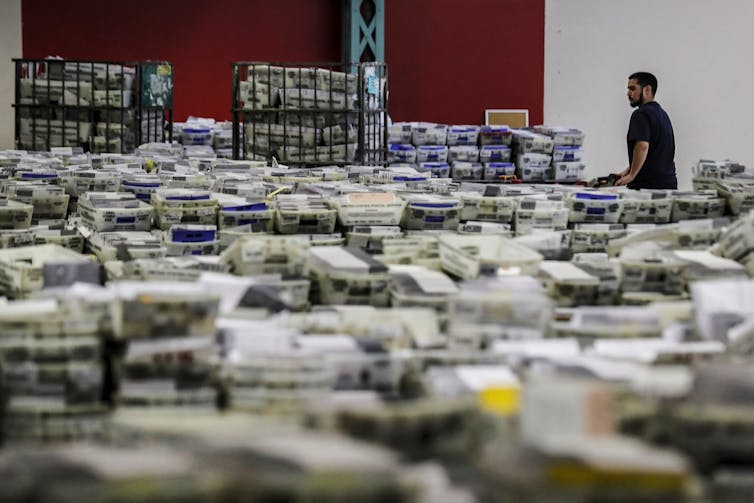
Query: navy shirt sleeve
{"points": [[639, 128]]}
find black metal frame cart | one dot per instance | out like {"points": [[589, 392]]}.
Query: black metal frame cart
{"points": [[99, 106], [310, 114]]}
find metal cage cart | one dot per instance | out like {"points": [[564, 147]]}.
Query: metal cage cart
{"points": [[310, 114], [99, 106]]}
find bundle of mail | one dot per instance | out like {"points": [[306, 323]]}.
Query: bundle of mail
{"points": [[563, 344]]}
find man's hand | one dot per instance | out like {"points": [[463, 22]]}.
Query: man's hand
{"points": [[625, 179]]}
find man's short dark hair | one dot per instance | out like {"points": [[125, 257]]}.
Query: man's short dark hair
{"points": [[645, 79]]}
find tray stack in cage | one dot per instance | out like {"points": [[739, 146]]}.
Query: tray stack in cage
{"points": [[80, 87], [95, 105], [307, 115], [301, 115]]}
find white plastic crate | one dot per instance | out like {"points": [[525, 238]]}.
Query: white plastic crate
{"points": [[567, 153], [530, 142], [349, 276], [303, 215], [184, 206], [569, 285], [141, 185], [370, 237], [494, 153], [107, 246], [424, 133], [533, 213], [369, 208], [196, 135], [567, 171], [462, 135], [114, 211], [15, 214], [416, 286], [593, 238], [646, 206], [431, 212], [562, 135], [593, 206], [495, 135], [477, 206], [399, 132], [496, 170], [236, 211], [431, 153], [533, 160], [91, 180], [466, 153], [437, 169], [401, 153], [737, 240], [483, 227], [49, 201], [192, 240], [30, 268], [738, 196], [662, 274], [468, 256], [692, 205], [533, 173], [466, 170]]}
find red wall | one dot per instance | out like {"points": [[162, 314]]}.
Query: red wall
{"points": [[448, 60], [200, 37]]}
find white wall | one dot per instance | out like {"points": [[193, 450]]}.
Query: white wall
{"points": [[699, 50], [10, 47]]}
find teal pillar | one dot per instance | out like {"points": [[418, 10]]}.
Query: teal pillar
{"points": [[363, 31]]}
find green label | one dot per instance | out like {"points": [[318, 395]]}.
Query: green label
{"points": [[156, 85]]}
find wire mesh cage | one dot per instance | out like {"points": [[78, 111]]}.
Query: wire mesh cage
{"points": [[98, 106], [310, 114]]}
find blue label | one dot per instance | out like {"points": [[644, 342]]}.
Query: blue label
{"points": [[247, 207], [409, 178], [599, 197], [39, 175], [192, 236], [188, 198], [372, 84], [145, 185], [433, 205]]}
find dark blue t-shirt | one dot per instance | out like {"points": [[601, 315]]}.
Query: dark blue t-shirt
{"points": [[650, 123]]}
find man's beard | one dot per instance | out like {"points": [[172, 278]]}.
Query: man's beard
{"points": [[636, 103]]}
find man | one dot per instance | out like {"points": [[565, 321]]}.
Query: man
{"points": [[650, 139]]}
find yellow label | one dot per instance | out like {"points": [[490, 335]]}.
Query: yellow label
{"points": [[164, 70], [504, 401]]}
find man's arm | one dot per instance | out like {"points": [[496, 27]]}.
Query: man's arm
{"points": [[640, 155]]}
